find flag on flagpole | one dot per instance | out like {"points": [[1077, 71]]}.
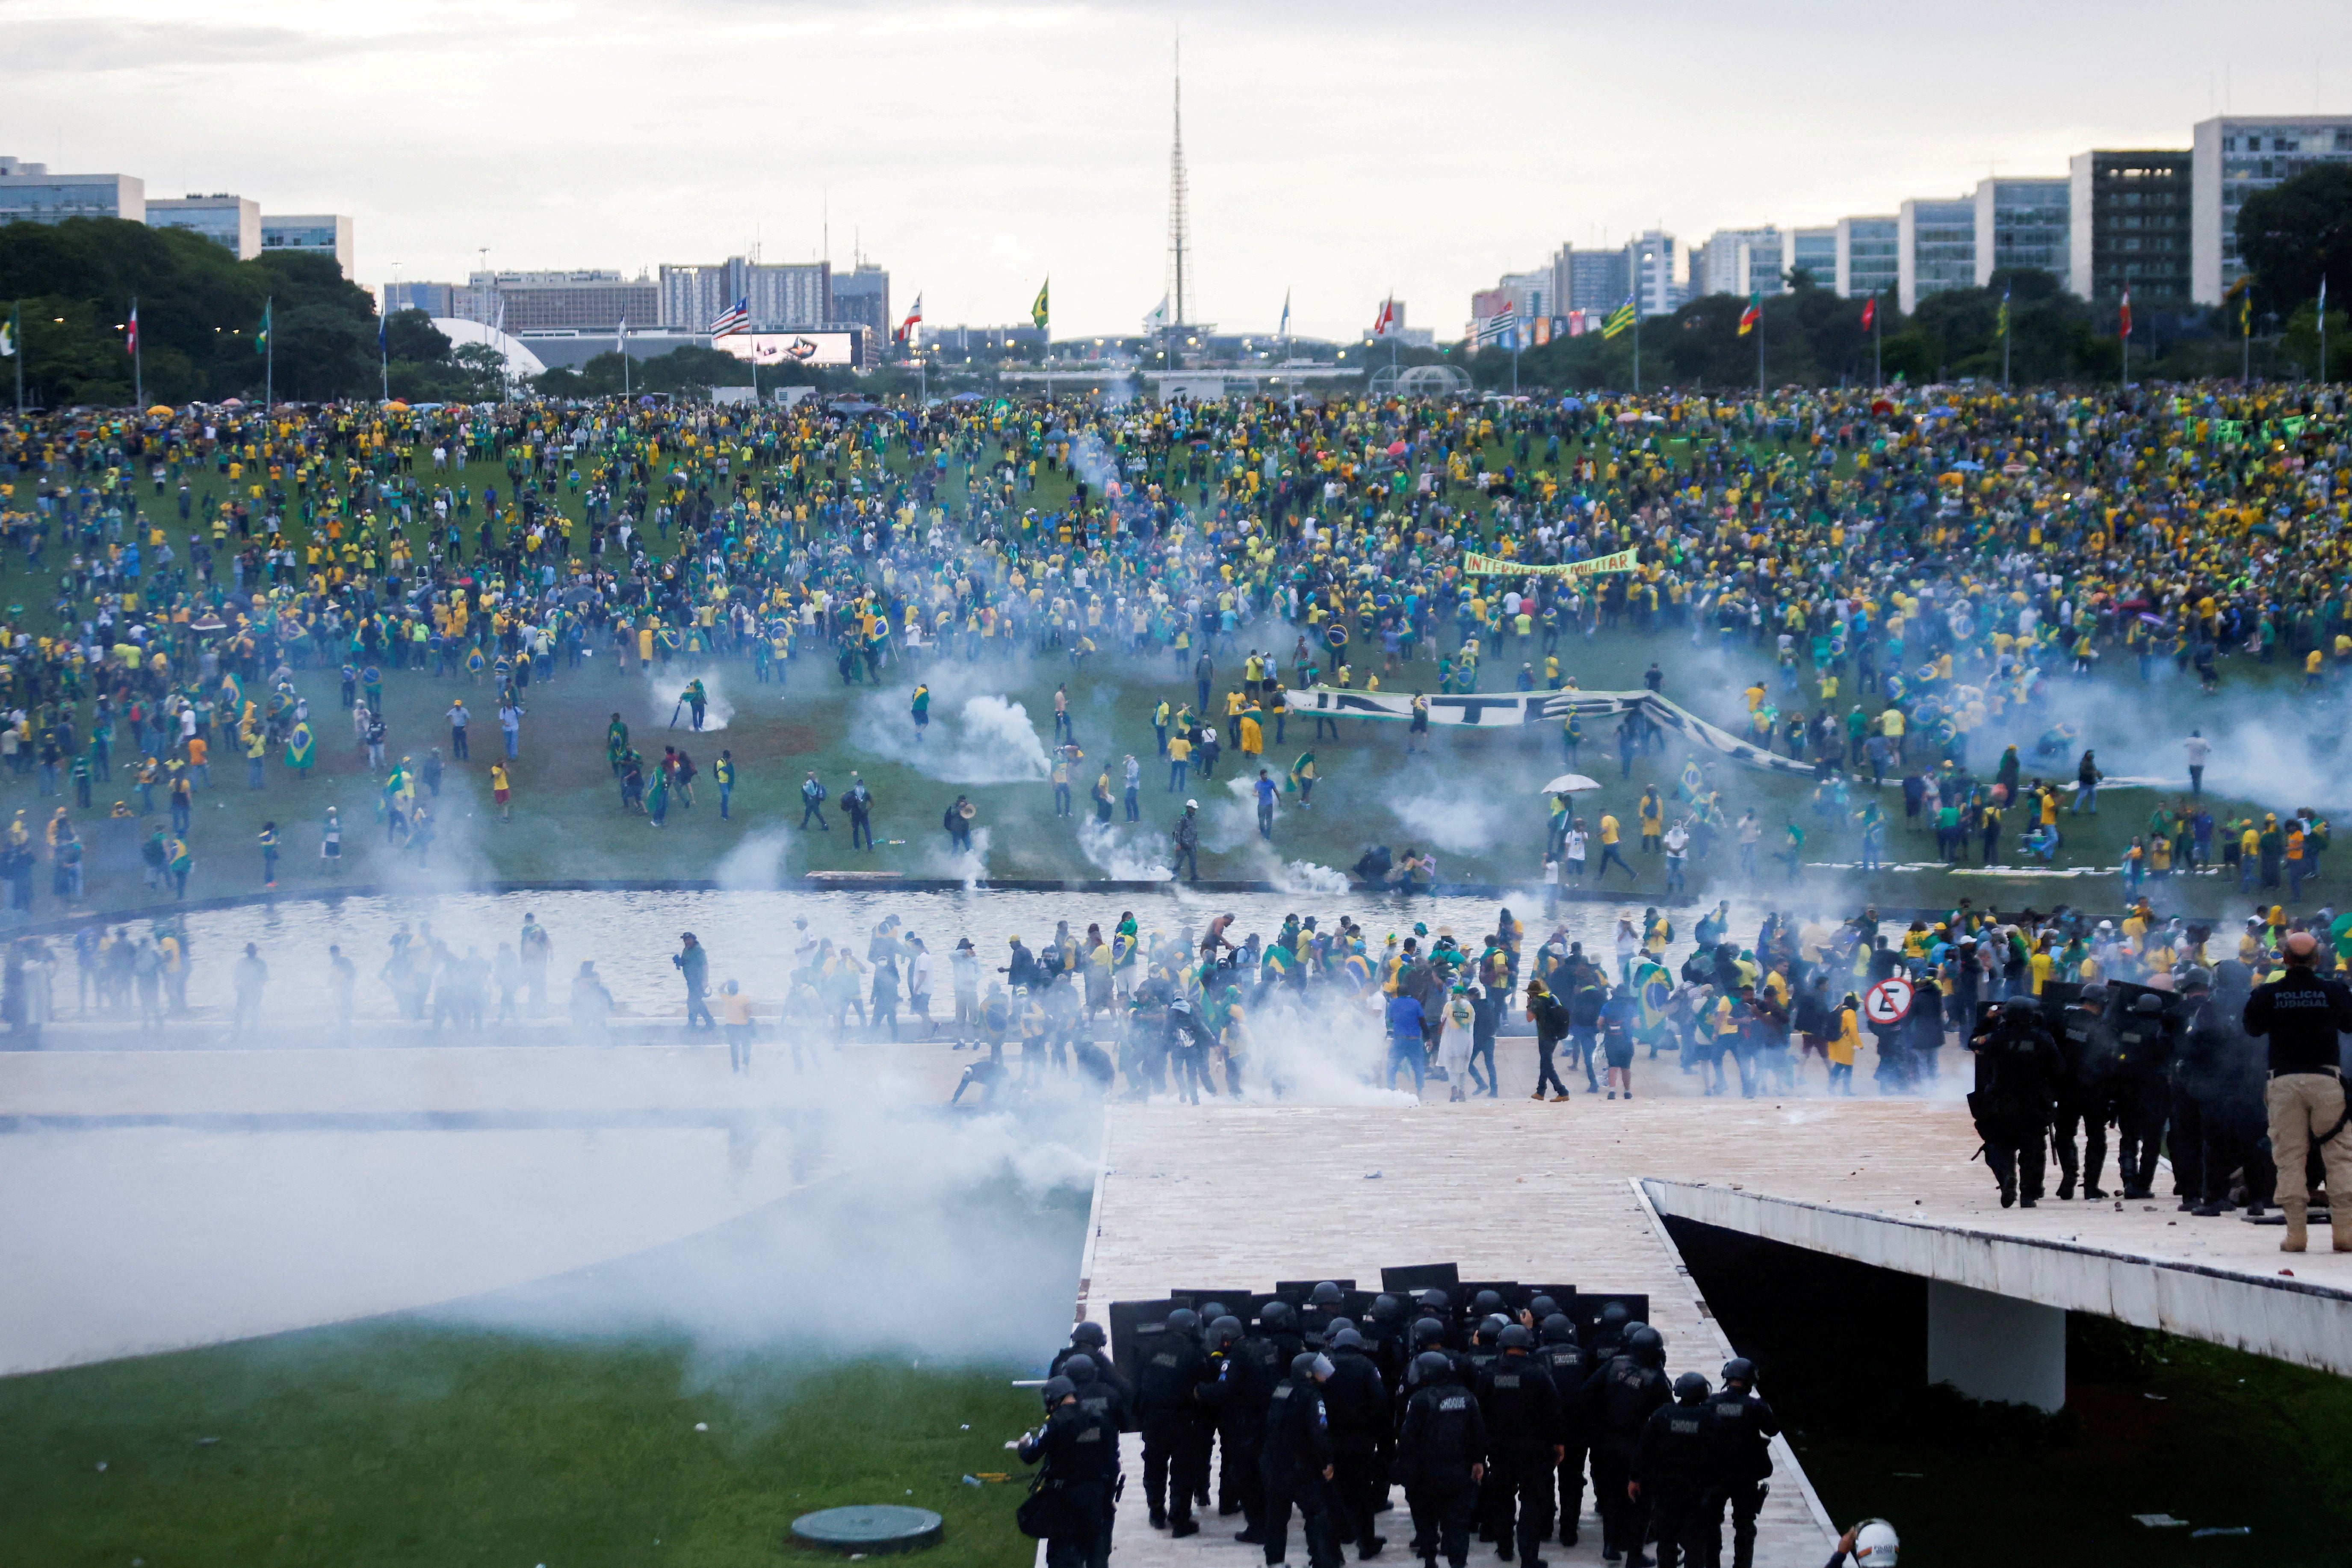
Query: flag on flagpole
{"points": [[1387, 324], [914, 319], [2000, 322], [1039, 313], [621, 340], [379, 334], [2322, 296], [8, 339], [130, 333], [1619, 319], [261, 332], [1284, 330], [2124, 320], [1870, 313], [1494, 329], [1155, 321], [1753, 314], [736, 317]]}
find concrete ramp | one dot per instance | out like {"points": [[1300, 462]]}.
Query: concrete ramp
{"points": [[1249, 1195]]}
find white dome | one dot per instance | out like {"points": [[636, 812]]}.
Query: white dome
{"points": [[519, 360]]}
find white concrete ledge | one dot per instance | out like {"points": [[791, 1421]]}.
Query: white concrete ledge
{"points": [[2298, 1320]]}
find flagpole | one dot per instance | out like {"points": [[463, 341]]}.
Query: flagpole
{"points": [[17, 335], [138, 359], [2004, 340], [1877, 347], [1760, 346], [2323, 329], [625, 359], [268, 356], [1637, 342]]}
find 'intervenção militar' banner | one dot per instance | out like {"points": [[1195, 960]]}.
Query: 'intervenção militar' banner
{"points": [[1496, 566]]}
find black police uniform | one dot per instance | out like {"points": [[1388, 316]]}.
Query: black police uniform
{"points": [[1442, 1436], [1358, 1406], [2018, 1064], [1670, 1463], [1740, 1427], [1235, 1398], [1569, 1366], [1298, 1451], [1079, 1449], [2084, 1091], [2223, 1068], [2143, 1096], [1522, 1409], [1168, 1412], [1619, 1398]]}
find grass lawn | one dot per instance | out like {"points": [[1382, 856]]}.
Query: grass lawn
{"points": [[1471, 797], [396, 1443]]}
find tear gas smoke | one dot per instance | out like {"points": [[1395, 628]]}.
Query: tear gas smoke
{"points": [[665, 698], [1125, 852], [985, 741]]}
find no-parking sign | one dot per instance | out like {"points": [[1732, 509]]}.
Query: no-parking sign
{"points": [[1888, 1002]]}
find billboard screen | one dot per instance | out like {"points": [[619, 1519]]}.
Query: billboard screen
{"points": [[790, 347]]}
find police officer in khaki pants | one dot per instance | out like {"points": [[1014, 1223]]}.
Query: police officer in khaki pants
{"points": [[2302, 1014]]}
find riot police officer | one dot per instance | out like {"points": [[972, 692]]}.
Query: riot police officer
{"points": [[1079, 1450], [1570, 1367], [1358, 1405], [2143, 1058], [1619, 1398], [1089, 1340], [1097, 1396], [2017, 1065], [1168, 1410], [1521, 1405], [1297, 1463], [1740, 1427], [1440, 1458], [2084, 1090], [1326, 1305], [1669, 1474]]}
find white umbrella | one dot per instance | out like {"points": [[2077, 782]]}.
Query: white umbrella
{"points": [[1568, 783]]}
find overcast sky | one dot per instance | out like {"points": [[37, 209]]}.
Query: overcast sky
{"points": [[1336, 151]]}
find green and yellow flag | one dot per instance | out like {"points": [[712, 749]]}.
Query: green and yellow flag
{"points": [[261, 332], [1619, 319], [1038, 313], [2001, 324]]}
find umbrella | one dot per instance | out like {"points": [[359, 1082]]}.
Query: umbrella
{"points": [[161, 408], [233, 403], [1568, 783], [1573, 405], [1629, 419], [397, 405]]}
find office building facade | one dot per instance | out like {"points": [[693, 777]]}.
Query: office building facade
{"points": [[2233, 157], [1589, 280], [2022, 224], [2133, 227], [582, 300], [861, 297], [1935, 248], [1813, 251], [792, 295], [1650, 262], [30, 194], [433, 298], [1869, 254], [310, 234], [1740, 261], [233, 222]]}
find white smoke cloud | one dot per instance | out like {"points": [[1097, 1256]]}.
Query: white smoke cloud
{"points": [[986, 740], [664, 693], [1125, 852]]}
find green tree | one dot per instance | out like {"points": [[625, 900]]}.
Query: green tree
{"points": [[2295, 233]]}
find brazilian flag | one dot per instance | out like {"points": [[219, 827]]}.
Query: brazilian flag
{"points": [[1654, 988], [299, 747], [261, 332], [1038, 313]]}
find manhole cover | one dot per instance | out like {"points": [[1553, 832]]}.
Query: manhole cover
{"points": [[881, 1528]]}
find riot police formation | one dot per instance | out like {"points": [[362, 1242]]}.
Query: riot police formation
{"points": [[2017, 1070], [1070, 1506], [1489, 1438]]}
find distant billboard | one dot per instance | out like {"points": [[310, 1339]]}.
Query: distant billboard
{"points": [[790, 348]]}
